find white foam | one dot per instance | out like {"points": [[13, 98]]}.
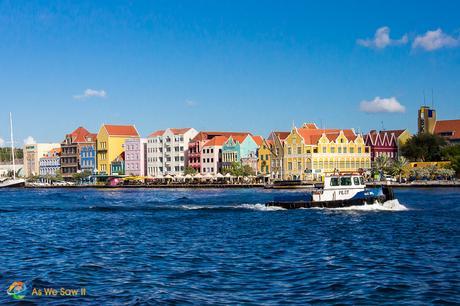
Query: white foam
{"points": [[391, 205], [260, 207]]}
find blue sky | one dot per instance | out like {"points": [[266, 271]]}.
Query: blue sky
{"points": [[225, 65]]}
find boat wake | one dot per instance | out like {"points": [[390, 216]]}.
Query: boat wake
{"points": [[391, 205], [260, 207]]}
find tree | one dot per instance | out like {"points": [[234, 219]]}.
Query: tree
{"points": [[190, 170], [237, 169], [423, 147], [382, 163], [399, 166]]}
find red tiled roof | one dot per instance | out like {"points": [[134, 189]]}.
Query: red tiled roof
{"points": [[180, 130], [121, 130], [240, 138], [446, 126], [82, 135], [156, 133], [258, 139], [206, 135], [310, 126], [280, 135], [311, 136], [216, 141]]}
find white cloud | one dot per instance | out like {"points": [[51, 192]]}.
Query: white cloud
{"points": [[190, 103], [382, 39], [88, 93], [382, 105], [2, 142], [29, 140], [434, 40]]}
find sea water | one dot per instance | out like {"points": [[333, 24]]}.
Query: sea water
{"points": [[223, 246]]}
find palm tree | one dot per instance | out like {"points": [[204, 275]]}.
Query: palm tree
{"points": [[381, 164], [399, 166]]}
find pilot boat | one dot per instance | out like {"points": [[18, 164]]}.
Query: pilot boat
{"points": [[340, 190]]}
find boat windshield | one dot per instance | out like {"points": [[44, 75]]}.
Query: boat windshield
{"points": [[334, 181], [356, 180], [341, 181], [361, 180], [345, 181]]}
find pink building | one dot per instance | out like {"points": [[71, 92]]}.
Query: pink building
{"points": [[135, 156], [385, 142]]}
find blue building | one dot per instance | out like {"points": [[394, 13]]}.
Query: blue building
{"points": [[88, 158]]}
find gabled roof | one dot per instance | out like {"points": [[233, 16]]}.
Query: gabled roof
{"points": [[180, 131], [157, 133], [310, 126], [280, 135], [239, 138], [206, 135], [387, 137], [258, 140], [216, 141], [121, 130], [446, 126], [312, 136], [82, 135]]}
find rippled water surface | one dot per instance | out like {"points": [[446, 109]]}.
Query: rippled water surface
{"points": [[223, 247]]}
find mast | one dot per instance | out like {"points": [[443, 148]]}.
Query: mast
{"points": [[12, 145]]}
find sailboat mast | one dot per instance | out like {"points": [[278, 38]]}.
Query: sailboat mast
{"points": [[12, 145]]}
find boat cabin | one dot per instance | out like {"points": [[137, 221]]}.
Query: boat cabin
{"points": [[344, 181]]}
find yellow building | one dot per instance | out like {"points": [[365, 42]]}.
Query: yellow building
{"points": [[110, 141], [264, 158], [310, 153]]}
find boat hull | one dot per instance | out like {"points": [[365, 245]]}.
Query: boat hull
{"points": [[385, 195], [13, 183]]}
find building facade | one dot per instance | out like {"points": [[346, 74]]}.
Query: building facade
{"points": [[167, 151], [136, 156], [310, 153], [238, 149], [276, 140], [88, 158], [50, 163], [426, 119], [264, 158], [197, 143], [386, 143], [32, 153], [211, 155], [71, 151], [110, 145]]}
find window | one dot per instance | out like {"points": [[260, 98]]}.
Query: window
{"points": [[289, 166], [299, 150], [359, 150], [352, 150], [332, 150], [339, 150], [334, 181], [345, 181], [345, 150], [356, 180], [289, 150], [324, 149]]}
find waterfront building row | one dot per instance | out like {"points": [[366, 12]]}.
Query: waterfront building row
{"points": [[304, 153]]}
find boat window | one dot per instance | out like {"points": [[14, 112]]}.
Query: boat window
{"points": [[345, 181], [334, 181], [361, 180], [356, 180]]}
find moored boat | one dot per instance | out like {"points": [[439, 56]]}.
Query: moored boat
{"points": [[340, 190], [12, 182]]}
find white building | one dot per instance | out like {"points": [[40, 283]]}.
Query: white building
{"points": [[50, 164], [167, 151], [211, 155], [32, 154]]}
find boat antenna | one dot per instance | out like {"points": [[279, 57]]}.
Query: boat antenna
{"points": [[12, 145]]}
